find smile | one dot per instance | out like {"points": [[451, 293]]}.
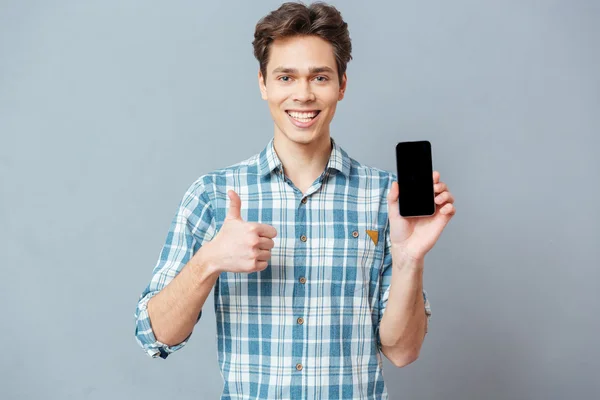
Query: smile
{"points": [[303, 119], [303, 116]]}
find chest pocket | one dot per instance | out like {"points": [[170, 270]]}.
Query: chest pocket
{"points": [[350, 263]]}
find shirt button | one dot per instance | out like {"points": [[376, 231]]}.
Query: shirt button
{"points": [[304, 200], [303, 238], [303, 280], [355, 234], [300, 321], [299, 367]]}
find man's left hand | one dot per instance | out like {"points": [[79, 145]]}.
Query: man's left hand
{"points": [[414, 237]]}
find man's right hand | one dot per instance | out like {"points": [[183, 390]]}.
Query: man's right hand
{"points": [[241, 246]]}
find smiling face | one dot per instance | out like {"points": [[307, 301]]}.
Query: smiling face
{"points": [[302, 88]]}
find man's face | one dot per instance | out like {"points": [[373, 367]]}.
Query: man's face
{"points": [[302, 87]]}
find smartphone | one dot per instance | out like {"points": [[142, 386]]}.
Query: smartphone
{"points": [[415, 178]]}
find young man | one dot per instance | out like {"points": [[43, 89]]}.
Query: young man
{"points": [[315, 273]]}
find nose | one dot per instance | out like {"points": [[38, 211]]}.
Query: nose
{"points": [[304, 92]]}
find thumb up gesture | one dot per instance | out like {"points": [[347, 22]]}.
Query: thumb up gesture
{"points": [[241, 246]]}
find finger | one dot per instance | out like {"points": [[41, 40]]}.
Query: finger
{"points": [[436, 177], [440, 187], [392, 199], [260, 265], [444, 197], [265, 230], [235, 206], [263, 255], [265, 243], [448, 209]]}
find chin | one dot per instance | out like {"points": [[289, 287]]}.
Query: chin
{"points": [[301, 137]]}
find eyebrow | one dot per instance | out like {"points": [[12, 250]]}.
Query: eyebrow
{"points": [[311, 70]]}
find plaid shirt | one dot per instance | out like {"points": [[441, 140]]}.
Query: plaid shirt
{"points": [[306, 327]]}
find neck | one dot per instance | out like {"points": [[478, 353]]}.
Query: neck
{"points": [[302, 162]]}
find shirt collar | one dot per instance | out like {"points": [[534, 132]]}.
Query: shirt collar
{"points": [[268, 161]]}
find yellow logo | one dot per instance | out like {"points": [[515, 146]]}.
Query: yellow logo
{"points": [[374, 235]]}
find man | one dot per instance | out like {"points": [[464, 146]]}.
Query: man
{"points": [[315, 273]]}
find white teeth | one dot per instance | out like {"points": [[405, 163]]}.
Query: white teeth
{"points": [[302, 116]]}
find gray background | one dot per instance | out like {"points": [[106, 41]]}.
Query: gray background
{"points": [[110, 109]]}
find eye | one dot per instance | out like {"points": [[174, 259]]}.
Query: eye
{"points": [[321, 78], [284, 78]]}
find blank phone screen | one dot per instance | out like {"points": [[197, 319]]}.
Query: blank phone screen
{"points": [[415, 178]]}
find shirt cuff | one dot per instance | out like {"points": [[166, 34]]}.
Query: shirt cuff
{"points": [[145, 335]]}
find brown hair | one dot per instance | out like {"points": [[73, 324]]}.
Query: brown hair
{"points": [[291, 19]]}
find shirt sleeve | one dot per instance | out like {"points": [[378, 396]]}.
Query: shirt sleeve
{"points": [[192, 226], [384, 287]]}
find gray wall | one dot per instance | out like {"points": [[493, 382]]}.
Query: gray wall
{"points": [[108, 111]]}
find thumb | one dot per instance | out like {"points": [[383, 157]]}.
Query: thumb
{"points": [[392, 199], [235, 206]]}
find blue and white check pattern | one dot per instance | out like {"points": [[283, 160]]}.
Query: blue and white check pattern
{"points": [[307, 327]]}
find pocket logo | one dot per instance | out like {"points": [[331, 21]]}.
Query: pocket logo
{"points": [[374, 235]]}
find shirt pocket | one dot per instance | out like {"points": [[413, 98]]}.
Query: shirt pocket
{"points": [[353, 262]]}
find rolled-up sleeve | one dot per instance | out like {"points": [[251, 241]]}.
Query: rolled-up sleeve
{"points": [[384, 287], [192, 226]]}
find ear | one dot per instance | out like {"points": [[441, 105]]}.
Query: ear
{"points": [[343, 87], [262, 86]]}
